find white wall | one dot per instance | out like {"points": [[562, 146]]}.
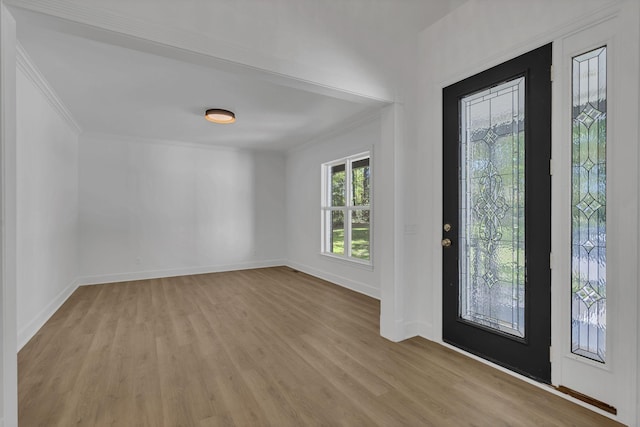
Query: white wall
{"points": [[156, 208], [47, 207], [303, 207], [472, 38]]}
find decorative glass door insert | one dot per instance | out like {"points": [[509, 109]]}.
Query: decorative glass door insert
{"points": [[491, 213], [496, 213], [588, 205]]}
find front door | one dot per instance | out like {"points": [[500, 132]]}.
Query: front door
{"points": [[496, 234]]}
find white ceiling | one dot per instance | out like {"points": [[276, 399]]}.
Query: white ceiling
{"points": [[114, 89]]}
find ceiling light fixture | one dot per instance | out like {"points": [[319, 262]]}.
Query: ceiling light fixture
{"points": [[217, 115]]}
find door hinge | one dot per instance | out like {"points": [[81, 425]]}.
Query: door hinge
{"points": [[551, 72], [550, 260], [550, 166], [550, 354]]}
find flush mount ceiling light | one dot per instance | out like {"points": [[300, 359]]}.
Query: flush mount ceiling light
{"points": [[217, 115]]}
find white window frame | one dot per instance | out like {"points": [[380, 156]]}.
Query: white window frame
{"points": [[348, 208]]}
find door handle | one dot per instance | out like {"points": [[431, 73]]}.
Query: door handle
{"points": [[446, 243]]}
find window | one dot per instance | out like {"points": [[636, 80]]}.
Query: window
{"points": [[588, 205], [346, 208]]}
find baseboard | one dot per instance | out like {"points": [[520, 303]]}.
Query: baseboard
{"points": [[416, 328], [155, 274], [392, 329], [26, 333], [354, 285]]}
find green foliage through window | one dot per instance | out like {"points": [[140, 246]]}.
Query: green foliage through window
{"points": [[347, 208]]}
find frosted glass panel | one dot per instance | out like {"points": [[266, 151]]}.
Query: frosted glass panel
{"points": [[588, 205], [491, 217]]}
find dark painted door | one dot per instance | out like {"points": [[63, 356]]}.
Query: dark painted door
{"points": [[497, 214]]}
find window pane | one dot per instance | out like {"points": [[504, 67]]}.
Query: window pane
{"points": [[346, 207], [337, 232], [492, 202], [360, 182], [360, 227], [588, 205], [338, 185]]}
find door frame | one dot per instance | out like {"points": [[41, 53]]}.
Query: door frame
{"points": [[529, 355]]}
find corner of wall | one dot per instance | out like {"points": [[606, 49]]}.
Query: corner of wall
{"points": [[27, 66], [29, 331], [156, 274], [345, 282], [392, 329], [71, 131], [418, 329]]}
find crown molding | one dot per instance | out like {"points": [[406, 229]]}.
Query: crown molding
{"points": [[108, 26], [26, 65], [352, 123], [132, 139]]}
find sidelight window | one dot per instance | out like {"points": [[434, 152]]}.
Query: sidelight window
{"points": [[588, 205]]}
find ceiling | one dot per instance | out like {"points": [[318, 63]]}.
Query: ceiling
{"points": [[118, 90]]}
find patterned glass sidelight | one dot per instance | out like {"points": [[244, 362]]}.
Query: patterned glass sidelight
{"points": [[588, 205], [492, 202]]}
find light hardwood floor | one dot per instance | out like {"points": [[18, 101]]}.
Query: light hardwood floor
{"points": [[252, 348]]}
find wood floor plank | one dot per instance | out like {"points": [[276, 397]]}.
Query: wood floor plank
{"points": [[264, 347]]}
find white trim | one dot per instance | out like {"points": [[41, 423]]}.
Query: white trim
{"points": [[353, 285], [27, 332], [8, 176], [417, 328], [392, 329], [340, 129], [167, 142], [156, 274], [26, 65], [353, 262], [389, 218], [102, 24]]}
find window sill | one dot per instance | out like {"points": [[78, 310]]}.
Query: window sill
{"points": [[365, 265]]}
